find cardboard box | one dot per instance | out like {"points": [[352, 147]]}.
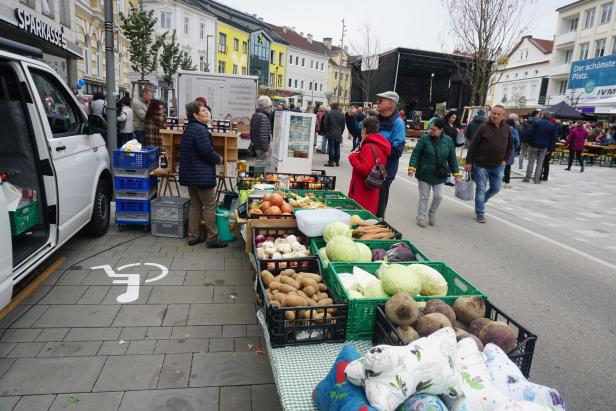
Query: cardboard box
{"points": [[273, 223]]}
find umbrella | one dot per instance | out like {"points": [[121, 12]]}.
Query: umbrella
{"points": [[564, 110]]}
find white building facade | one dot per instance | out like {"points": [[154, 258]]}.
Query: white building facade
{"points": [[195, 32], [585, 30], [523, 82], [307, 76]]}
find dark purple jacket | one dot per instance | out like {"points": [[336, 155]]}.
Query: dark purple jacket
{"points": [[576, 138]]}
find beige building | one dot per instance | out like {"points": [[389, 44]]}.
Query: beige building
{"points": [[338, 72]]}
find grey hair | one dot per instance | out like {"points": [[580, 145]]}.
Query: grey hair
{"points": [[144, 90], [514, 117], [264, 102], [193, 108]]}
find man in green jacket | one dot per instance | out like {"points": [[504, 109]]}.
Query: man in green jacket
{"points": [[433, 157]]}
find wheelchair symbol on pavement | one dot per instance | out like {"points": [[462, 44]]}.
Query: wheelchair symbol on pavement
{"points": [[130, 280]]}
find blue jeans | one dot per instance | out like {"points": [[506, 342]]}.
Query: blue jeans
{"points": [[334, 150], [482, 176], [356, 142]]}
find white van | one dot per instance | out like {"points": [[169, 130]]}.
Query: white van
{"points": [[54, 168]]}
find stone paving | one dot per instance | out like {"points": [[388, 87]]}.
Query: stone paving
{"points": [[187, 342]]}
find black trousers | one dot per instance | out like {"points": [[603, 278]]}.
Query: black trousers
{"points": [[507, 175], [578, 155], [545, 172], [333, 150], [383, 199]]}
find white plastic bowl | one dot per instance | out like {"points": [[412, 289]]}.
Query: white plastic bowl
{"points": [[313, 222]]}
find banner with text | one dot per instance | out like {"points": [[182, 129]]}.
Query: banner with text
{"points": [[593, 79]]}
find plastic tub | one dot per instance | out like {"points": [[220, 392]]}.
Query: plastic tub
{"points": [[313, 222]]}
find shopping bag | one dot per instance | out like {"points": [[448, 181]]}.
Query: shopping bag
{"points": [[465, 188]]}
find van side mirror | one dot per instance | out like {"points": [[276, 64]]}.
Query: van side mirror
{"points": [[96, 124]]}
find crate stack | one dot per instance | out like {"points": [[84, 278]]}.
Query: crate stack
{"points": [[134, 187], [169, 217]]}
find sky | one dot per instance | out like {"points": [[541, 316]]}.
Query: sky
{"points": [[397, 23]]}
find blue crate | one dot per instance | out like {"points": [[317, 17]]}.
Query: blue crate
{"points": [[132, 206], [134, 184], [135, 159], [132, 218]]}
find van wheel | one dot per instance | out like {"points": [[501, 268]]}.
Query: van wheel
{"points": [[102, 209]]}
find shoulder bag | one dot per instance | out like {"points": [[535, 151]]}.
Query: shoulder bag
{"points": [[441, 170], [378, 174]]}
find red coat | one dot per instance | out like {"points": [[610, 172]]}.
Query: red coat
{"points": [[576, 138], [362, 163]]}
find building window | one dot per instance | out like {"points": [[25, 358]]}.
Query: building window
{"points": [[321, 87], [568, 56], [272, 57], [606, 13], [505, 91], [235, 68], [202, 63], [296, 61], [533, 91], [165, 20], [562, 87], [290, 59], [524, 54], [600, 47], [573, 24], [321, 66], [272, 80], [303, 62], [244, 47], [48, 8], [202, 31], [335, 75], [222, 66], [186, 26], [290, 83], [280, 80], [526, 74], [222, 43], [583, 51], [31, 3], [302, 85], [295, 83], [281, 59], [311, 64], [236, 44], [65, 13], [614, 45], [310, 86], [244, 71], [589, 18]]}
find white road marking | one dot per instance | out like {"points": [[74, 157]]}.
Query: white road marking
{"points": [[130, 280]]}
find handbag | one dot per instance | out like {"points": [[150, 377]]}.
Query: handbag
{"points": [[465, 188], [459, 139], [378, 174], [441, 170]]}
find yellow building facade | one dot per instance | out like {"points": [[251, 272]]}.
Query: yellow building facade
{"points": [[278, 62], [232, 49]]}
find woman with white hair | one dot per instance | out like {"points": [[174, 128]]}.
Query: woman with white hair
{"points": [[261, 131]]}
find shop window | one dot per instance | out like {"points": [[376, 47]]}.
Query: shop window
{"points": [[64, 118]]}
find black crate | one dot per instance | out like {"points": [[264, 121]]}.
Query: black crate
{"points": [[283, 332], [322, 181], [522, 355], [277, 232]]}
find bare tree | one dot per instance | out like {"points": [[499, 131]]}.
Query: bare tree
{"points": [[482, 34], [368, 47]]}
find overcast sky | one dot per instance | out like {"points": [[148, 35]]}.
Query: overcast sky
{"points": [[399, 23]]}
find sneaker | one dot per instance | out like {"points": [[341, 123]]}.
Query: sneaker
{"points": [[328, 164], [568, 169], [481, 219], [507, 185], [421, 223], [431, 219], [216, 244], [526, 180], [194, 242], [337, 164]]}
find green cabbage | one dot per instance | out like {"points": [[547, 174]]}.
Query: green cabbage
{"points": [[342, 249], [355, 294], [365, 254], [397, 278], [375, 290], [323, 256], [337, 229], [432, 282]]}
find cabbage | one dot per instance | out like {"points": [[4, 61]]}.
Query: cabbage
{"points": [[400, 252], [337, 229], [432, 282], [375, 290], [355, 294], [348, 280], [363, 278], [397, 278], [365, 254], [323, 256], [342, 249]]}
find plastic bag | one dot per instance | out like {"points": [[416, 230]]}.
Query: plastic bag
{"points": [[132, 145], [465, 188]]}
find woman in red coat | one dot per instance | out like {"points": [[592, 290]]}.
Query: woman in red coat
{"points": [[362, 162]]}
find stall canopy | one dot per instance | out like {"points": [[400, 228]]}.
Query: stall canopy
{"points": [[564, 110]]}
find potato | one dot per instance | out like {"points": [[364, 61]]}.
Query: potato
{"points": [[294, 301], [302, 294], [295, 276], [274, 285], [325, 301], [285, 288], [277, 278], [315, 277], [275, 303], [289, 281], [288, 272], [323, 288], [280, 297], [267, 277], [322, 296], [309, 282], [310, 291], [289, 315], [311, 302]]}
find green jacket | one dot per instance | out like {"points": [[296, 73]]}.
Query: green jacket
{"points": [[423, 159]]}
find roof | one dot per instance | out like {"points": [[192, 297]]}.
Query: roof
{"points": [[544, 46], [566, 6], [294, 39]]}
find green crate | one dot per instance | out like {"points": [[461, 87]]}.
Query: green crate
{"points": [[320, 194], [363, 214], [360, 322], [317, 242], [23, 218], [343, 204]]}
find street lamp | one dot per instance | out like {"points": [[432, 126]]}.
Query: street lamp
{"points": [[207, 51], [431, 79]]}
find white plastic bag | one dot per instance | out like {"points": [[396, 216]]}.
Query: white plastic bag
{"points": [[465, 188], [132, 145]]}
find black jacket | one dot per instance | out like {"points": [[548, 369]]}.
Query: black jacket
{"points": [[334, 123], [261, 130], [198, 158], [473, 126]]}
